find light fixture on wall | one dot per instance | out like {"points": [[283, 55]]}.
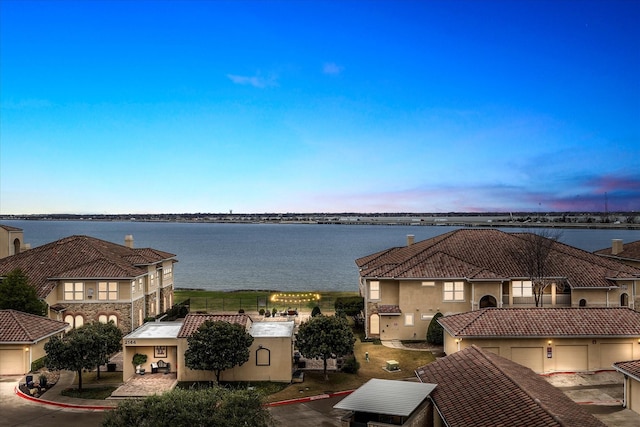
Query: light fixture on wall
{"points": [[549, 342]]}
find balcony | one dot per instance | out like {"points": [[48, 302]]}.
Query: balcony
{"points": [[562, 300]]}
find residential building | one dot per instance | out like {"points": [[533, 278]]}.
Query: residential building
{"points": [[84, 279], [549, 339], [631, 371], [22, 339], [470, 269], [270, 354], [11, 241], [629, 253], [478, 388]]}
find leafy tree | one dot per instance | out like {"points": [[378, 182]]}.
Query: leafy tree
{"points": [[316, 311], [109, 337], [17, 294], [350, 306], [78, 350], [215, 406], [217, 346], [325, 337], [435, 331], [535, 255]]}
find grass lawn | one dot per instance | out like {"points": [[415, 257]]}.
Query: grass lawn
{"points": [[315, 384], [106, 378], [211, 301]]}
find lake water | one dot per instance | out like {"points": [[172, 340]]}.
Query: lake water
{"points": [[284, 257]]}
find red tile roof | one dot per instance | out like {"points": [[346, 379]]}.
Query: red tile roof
{"points": [[476, 388], [80, 257], [631, 368], [544, 322], [10, 228], [480, 254], [193, 321], [630, 251], [389, 309], [18, 327]]}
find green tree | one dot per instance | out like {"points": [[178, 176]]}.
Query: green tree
{"points": [[350, 306], [435, 331], [109, 338], [79, 349], [176, 408], [316, 311], [325, 337], [217, 346], [17, 294]]}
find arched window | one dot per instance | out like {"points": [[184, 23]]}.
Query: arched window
{"points": [[488, 301], [102, 318], [113, 318], [263, 356], [624, 300], [374, 324], [69, 319], [583, 303], [16, 246], [79, 321]]}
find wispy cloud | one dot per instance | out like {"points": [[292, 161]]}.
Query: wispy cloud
{"points": [[332, 68], [255, 81]]}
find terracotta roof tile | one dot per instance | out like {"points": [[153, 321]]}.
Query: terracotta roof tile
{"points": [[484, 389], [630, 251], [489, 254], [193, 321], [544, 322], [389, 309], [631, 367], [80, 257], [19, 327]]}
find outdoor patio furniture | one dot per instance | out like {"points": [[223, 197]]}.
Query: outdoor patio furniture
{"points": [[162, 365], [154, 368]]}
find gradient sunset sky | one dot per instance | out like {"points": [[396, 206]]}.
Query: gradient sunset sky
{"points": [[319, 106]]}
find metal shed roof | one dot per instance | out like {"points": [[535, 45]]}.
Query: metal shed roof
{"points": [[387, 397], [271, 329]]}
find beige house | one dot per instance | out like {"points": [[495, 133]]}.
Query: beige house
{"points": [[549, 339], [470, 269], [84, 279], [22, 339], [11, 241], [481, 389], [629, 253], [270, 355], [631, 372]]}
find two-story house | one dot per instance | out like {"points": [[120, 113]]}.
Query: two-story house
{"points": [[629, 253], [84, 279], [469, 269]]}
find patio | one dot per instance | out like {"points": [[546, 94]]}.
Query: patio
{"points": [[139, 386]]}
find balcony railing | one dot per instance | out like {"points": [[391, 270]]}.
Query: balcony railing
{"points": [[562, 300]]}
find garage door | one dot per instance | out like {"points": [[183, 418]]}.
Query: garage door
{"points": [[11, 362], [611, 353], [570, 358], [531, 357]]}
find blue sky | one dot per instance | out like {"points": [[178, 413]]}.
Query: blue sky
{"points": [[319, 106]]}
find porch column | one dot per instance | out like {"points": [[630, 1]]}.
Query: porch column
{"points": [[553, 294]]}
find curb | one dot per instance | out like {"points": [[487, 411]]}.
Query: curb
{"points": [[310, 398], [62, 405]]}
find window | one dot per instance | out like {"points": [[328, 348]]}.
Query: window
{"points": [[429, 283], [374, 290], [453, 291], [140, 284], [408, 319], [102, 318], [113, 318], [79, 321], [73, 291], [374, 322], [107, 291], [263, 356], [133, 287], [522, 288]]}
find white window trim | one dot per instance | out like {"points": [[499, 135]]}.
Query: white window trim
{"points": [[374, 293], [454, 291], [518, 288]]}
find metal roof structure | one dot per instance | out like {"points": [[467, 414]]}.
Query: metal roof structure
{"points": [[151, 330], [271, 329], [387, 397]]}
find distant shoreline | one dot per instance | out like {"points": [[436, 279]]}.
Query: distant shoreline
{"points": [[585, 220]]}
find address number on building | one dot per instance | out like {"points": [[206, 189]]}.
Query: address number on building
{"points": [[129, 342]]}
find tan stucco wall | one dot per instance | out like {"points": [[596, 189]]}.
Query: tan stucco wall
{"points": [[633, 394], [7, 239], [279, 369], [566, 353]]}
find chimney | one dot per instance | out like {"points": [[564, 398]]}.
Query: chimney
{"points": [[128, 241], [616, 246], [410, 239]]}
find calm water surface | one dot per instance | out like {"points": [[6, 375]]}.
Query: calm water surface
{"points": [[285, 257]]}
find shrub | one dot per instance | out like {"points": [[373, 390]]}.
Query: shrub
{"points": [[139, 359], [351, 365], [261, 312], [274, 311], [435, 332], [36, 365], [316, 311]]}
